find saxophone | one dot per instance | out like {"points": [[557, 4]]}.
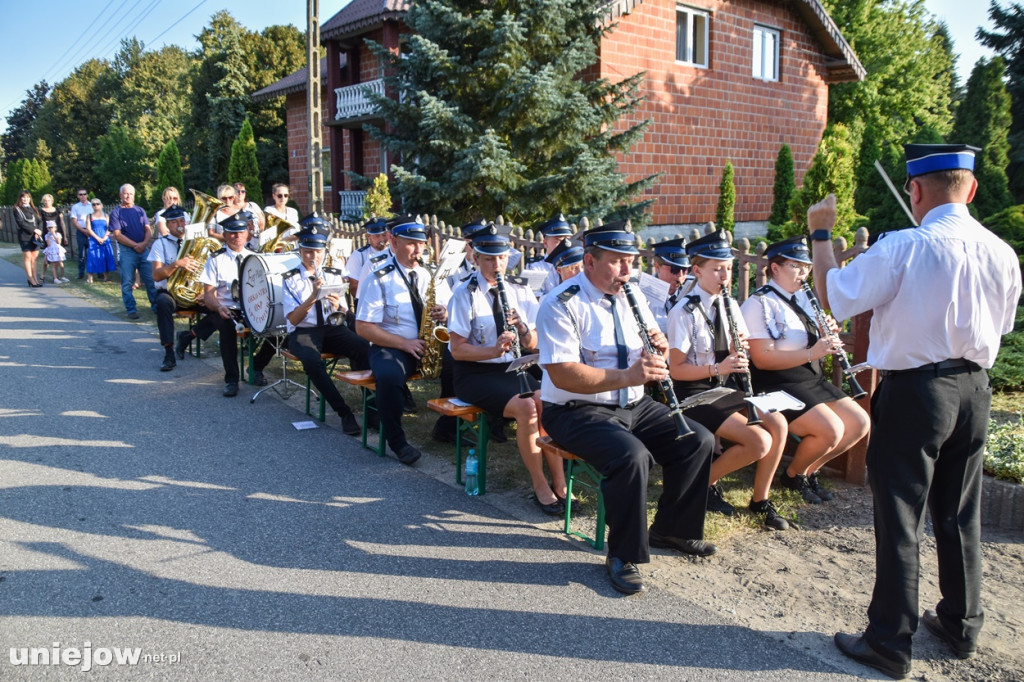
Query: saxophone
{"points": [[184, 285], [435, 335]]}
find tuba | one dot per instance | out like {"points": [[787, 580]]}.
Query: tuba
{"points": [[435, 335], [280, 225], [184, 285]]}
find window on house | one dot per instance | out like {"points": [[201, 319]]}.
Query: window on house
{"points": [[766, 53], [326, 156], [691, 36]]}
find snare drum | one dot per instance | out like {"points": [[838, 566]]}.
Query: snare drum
{"points": [[261, 293]]}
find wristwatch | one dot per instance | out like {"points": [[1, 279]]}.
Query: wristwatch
{"points": [[821, 236]]}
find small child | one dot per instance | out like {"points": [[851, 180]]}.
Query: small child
{"points": [[54, 253]]}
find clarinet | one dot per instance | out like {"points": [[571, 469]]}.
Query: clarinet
{"points": [[753, 416], [682, 428], [524, 385], [856, 392]]}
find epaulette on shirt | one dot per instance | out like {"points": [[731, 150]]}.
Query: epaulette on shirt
{"points": [[761, 291], [380, 272], [364, 247], [691, 303], [376, 258], [879, 236], [515, 279], [290, 273], [220, 251], [535, 259], [467, 277], [568, 293], [332, 271]]}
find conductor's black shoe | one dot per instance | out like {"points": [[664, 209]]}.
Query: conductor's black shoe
{"points": [[686, 546], [258, 379], [801, 485], [408, 454], [349, 425], [717, 503], [184, 338], [821, 491], [960, 648], [625, 576], [231, 389], [168, 363], [771, 517], [859, 650]]}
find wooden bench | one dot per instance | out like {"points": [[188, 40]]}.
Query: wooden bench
{"points": [[329, 361], [367, 385], [191, 317], [472, 429], [575, 467]]}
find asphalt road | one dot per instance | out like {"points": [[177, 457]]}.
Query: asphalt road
{"points": [[142, 510]]}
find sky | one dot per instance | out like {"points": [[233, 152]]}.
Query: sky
{"points": [[47, 39]]}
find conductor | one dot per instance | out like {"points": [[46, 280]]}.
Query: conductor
{"points": [[595, 406], [942, 295]]}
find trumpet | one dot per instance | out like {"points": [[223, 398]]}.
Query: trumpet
{"points": [[753, 416], [683, 429], [856, 391], [524, 385]]}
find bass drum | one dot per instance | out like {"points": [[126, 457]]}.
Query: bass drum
{"points": [[261, 293]]}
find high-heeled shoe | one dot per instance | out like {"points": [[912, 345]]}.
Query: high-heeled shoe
{"points": [[33, 285]]}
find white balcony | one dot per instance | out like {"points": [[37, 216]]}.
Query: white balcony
{"points": [[352, 102], [350, 205]]}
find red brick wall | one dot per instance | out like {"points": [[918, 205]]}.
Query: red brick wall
{"points": [[298, 152], [702, 117]]}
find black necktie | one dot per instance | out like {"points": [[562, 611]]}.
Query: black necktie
{"points": [[319, 307], [499, 319], [718, 328], [238, 264], [620, 348], [414, 293]]}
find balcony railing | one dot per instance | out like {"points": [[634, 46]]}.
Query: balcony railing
{"points": [[350, 205], [352, 101]]}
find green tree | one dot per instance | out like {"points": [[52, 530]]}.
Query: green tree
{"points": [[243, 166], [500, 116], [832, 170], [27, 174], [909, 69], [121, 158], [1008, 41], [20, 121], [983, 120], [785, 185], [168, 173], [873, 199], [725, 212], [378, 199]]}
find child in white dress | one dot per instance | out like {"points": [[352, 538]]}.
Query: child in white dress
{"points": [[54, 253]]}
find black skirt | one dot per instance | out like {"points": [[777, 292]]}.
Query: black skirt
{"points": [[712, 415], [29, 246], [487, 385], [802, 382]]}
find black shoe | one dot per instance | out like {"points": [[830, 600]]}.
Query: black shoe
{"points": [[625, 576], [169, 362], [258, 379], [556, 508], [184, 338], [717, 503], [801, 485], [408, 454], [694, 547], [960, 648], [859, 650], [350, 426], [819, 490], [133, 315], [81, 277], [772, 518], [231, 389], [574, 504], [498, 430]]}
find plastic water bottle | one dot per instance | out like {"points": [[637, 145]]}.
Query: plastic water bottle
{"points": [[472, 485]]}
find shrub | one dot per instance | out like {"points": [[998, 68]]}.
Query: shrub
{"points": [[1004, 451]]}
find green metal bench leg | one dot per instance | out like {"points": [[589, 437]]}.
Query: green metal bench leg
{"points": [[370, 403], [597, 542], [479, 435]]}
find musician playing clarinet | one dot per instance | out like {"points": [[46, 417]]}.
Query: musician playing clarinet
{"points": [[787, 348], [594, 406], [484, 341], [703, 356]]}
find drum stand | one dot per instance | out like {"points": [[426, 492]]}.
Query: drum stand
{"points": [[286, 393]]}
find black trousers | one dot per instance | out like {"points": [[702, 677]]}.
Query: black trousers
{"points": [[307, 343], [926, 447], [622, 443], [229, 347], [165, 307], [391, 369]]}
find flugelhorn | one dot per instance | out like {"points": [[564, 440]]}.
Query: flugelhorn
{"points": [[856, 391]]}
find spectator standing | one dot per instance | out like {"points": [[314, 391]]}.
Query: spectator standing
{"points": [[79, 213], [53, 251], [131, 230], [171, 197], [100, 257], [30, 233]]}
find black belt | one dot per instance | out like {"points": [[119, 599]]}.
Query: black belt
{"points": [[573, 404], [939, 369]]}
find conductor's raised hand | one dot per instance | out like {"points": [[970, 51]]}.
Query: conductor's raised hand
{"points": [[822, 215]]}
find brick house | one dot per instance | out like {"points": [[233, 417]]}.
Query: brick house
{"points": [[726, 80]]}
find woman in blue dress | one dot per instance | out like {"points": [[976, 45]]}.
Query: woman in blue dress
{"points": [[100, 258]]}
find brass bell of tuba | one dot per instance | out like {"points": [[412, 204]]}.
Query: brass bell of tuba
{"points": [[280, 226], [184, 285]]}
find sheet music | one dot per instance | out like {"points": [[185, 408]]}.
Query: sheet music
{"points": [[654, 289], [710, 396], [195, 231], [776, 401], [452, 254], [524, 361], [340, 248], [514, 256], [534, 279], [328, 289]]}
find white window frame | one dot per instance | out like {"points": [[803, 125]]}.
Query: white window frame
{"points": [[765, 62], [697, 20]]}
